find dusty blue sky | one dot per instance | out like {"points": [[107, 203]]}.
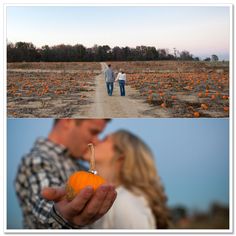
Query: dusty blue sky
{"points": [[202, 30]]}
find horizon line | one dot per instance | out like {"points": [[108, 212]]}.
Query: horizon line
{"points": [[226, 55]]}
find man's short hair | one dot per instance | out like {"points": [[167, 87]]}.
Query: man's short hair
{"points": [[109, 65], [78, 121]]}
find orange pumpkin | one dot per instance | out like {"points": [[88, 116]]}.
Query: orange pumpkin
{"points": [[163, 105], [80, 179], [226, 109], [200, 94], [196, 114]]}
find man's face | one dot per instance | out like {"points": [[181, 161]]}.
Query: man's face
{"points": [[80, 135]]}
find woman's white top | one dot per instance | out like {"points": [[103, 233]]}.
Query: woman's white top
{"points": [[121, 76], [128, 212]]}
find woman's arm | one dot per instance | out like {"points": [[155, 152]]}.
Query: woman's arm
{"points": [[118, 76]]}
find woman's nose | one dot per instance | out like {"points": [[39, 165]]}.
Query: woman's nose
{"points": [[96, 140]]}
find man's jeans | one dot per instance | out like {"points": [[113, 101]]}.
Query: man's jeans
{"points": [[109, 88], [122, 87]]}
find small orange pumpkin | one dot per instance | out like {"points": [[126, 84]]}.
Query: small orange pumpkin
{"points": [[196, 114], [163, 105], [200, 94], [226, 109], [80, 179]]}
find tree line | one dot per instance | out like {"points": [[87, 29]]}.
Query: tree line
{"points": [[27, 52]]}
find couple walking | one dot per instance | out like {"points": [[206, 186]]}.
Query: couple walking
{"points": [[110, 79]]}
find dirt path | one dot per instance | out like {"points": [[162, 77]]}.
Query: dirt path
{"points": [[103, 105], [78, 90]]}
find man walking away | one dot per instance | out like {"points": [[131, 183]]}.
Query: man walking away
{"points": [[109, 78]]}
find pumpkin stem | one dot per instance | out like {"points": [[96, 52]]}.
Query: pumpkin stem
{"points": [[92, 159]]}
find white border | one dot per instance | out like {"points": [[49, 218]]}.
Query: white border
{"points": [[4, 113], [231, 122], [122, 3], [111, 4]]}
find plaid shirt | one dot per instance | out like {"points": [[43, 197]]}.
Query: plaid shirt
{"points": [[47, 165]]}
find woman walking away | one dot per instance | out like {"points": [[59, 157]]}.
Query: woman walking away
{"points": [[121, 77]]}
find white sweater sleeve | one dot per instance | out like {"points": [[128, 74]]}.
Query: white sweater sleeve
{"points": [[117, 77], [124, 77]]}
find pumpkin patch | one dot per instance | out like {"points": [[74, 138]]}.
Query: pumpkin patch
{"points": [[54, 89], [178, 85], [171, 87]]}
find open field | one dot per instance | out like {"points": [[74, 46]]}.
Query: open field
{"points": [[165, 89], [49, 89], [183, 89]]}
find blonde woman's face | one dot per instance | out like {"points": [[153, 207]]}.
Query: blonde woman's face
{"points": [[104, 151], [107, 162]]}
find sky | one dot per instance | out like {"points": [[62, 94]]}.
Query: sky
{"points": [[191, 155], [201, 30]]}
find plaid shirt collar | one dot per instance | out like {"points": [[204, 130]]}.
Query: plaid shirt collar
{"points": [[46, 145], [59, 149]]}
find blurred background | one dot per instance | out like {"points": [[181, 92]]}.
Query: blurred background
{"points": [[191, 155]]}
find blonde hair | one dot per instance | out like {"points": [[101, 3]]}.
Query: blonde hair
{"points": [[139, 175]]}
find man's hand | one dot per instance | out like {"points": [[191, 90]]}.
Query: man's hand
{"points": [[87, 207]]}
